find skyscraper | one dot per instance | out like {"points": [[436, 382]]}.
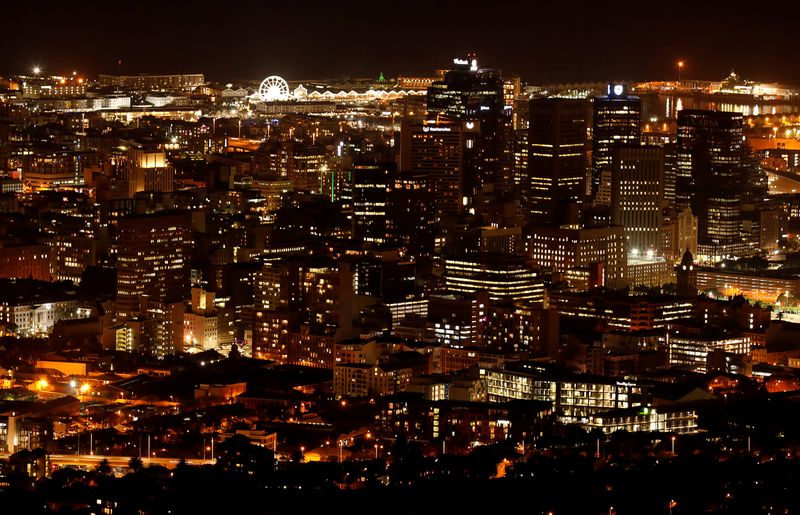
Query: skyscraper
{"points": [[437, 151], [637, 196], [521, 164], [709, 173], [616, 121], [371, 183], [476, 96], [153, 263], [410, 214], [557, 158], [153, 253]]}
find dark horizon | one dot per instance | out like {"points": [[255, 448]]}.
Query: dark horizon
{"points": [[541, 42]]}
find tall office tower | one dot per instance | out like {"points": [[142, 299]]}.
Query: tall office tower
{"points": [[410, 215], [616, 120], [153, 264], [371, 183], [519, 113], [557, 158], [756, 183], [637, 196], [669, 173], [709, 173], [521, 163], [476, 96], [437, 151]]}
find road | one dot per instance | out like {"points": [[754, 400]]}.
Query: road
{"points": [[92, 460]]}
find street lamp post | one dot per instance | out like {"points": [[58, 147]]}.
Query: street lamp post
{"points": [[681, 64]]}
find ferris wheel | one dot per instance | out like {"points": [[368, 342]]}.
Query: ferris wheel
{"points": [[273, 88]]}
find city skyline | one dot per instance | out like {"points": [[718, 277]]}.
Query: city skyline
{"points": [[368, 256], [364, 39]]}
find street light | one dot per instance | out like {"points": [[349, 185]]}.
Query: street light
{"points": [[673, 445], [37, 70], [681, 64]]}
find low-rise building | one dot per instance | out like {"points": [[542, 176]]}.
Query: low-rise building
{"points": [[575, 397]]}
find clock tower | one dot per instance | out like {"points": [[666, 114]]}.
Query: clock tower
{"points": [[686, 276]]}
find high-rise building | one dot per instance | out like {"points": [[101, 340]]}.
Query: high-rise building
{"points": [[709, 173], [557, 158], [148, 171], [305, 166], [521, 164], [153, 260], [467, 92], [637, 196], [301, 301], [477, 96], [153, 265], [371, 183], [410, 214], [616, 120], [437, 151]]}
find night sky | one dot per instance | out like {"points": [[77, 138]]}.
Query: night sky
{"points": [[541, 41]]}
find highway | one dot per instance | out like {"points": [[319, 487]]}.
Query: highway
{"points": [[92, 460]]}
